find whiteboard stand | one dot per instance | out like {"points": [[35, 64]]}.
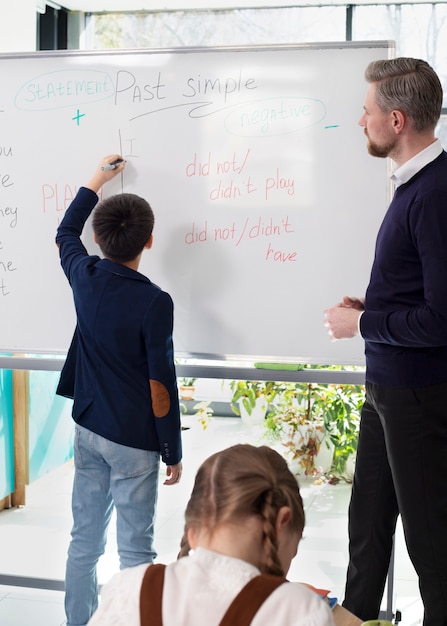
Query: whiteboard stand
{"points": [[388, 612]]}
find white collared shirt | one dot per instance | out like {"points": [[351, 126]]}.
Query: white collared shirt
{"points": [[411, 167]]}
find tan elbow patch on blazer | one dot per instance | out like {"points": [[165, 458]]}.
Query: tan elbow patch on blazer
{"points": [[161, 402]]}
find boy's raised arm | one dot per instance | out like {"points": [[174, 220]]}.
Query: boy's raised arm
{"points": [[108, 168]]}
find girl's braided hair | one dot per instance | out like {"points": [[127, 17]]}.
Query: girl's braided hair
{"points": [[244, 481]]}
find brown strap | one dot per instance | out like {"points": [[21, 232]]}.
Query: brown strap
{"points": [[240, 612], [151, 595], [248, 601]]}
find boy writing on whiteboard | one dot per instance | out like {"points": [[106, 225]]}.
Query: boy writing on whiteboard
{"points": [[120, 373]]}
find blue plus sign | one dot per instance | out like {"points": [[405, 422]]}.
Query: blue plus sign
{"points": [[78, 116]]}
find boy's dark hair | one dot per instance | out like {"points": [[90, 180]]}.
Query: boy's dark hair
{"points": [[123, 224]]}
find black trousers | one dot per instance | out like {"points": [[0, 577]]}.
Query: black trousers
{"points": [[401, 468]]}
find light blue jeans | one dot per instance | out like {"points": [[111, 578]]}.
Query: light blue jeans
{"points": [[107, 474]]}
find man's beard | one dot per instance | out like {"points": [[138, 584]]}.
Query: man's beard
{"points": [[380, 150]]}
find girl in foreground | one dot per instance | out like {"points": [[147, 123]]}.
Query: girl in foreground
{"points": [[245, 518]]}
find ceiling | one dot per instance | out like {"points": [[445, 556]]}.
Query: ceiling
{"points": [[93, 6]]}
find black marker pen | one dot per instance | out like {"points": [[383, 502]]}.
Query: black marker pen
{"points": [[113, 165]]}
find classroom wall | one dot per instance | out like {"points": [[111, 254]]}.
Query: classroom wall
{"points": [[17, 34], [50, 427], [6, 435]]}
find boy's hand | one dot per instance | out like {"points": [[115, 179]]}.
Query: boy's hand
{"points": [[102, 176], [174, 473]]}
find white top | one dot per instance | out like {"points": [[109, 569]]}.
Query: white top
{"points": [[199, 588]]}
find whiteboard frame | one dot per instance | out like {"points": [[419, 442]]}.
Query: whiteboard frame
{"points": [[387, 44]]}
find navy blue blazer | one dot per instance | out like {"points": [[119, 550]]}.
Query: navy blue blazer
{"points": [[123, 339]]}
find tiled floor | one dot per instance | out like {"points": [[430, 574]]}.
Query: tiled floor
{"points": [[34, 538]]}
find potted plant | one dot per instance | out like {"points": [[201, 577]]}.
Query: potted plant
{"points": [[297, 422], [187, 388], [317, 425], [251, 398]]}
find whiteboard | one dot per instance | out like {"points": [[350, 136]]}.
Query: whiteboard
{"points": [[266, 201]]}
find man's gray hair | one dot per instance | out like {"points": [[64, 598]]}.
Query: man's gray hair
{"points": [[407, 85]]}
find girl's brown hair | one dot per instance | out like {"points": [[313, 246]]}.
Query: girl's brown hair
{"points": [[240, 482]]}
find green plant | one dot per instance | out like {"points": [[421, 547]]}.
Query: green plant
{"points": [[331, 409], [248, 391], [203, 412], [343, 404], [187, 382], [298, 423]]}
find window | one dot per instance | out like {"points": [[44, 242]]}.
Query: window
{"points": [[419, 30], [217, 28]]}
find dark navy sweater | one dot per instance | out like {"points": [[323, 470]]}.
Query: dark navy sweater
{"points": [[405, 320]]}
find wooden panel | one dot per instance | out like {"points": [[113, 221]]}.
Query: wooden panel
{"points": [[20, 399]]}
